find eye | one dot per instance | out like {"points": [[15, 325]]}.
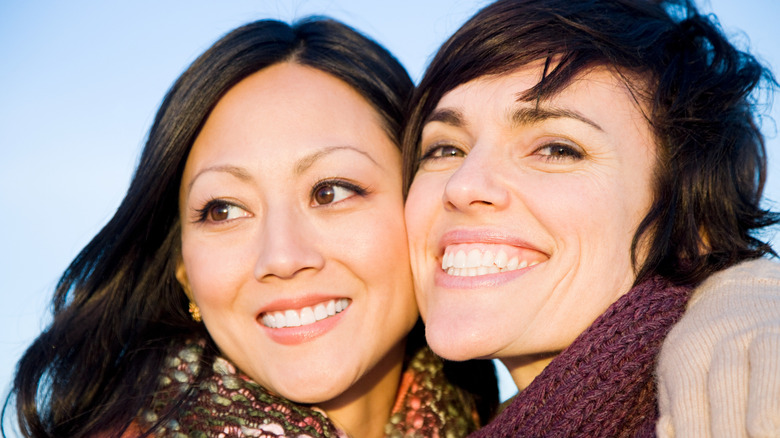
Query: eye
{"points": [[560, 152], [334, 191], [220, 211], [442, 151]]}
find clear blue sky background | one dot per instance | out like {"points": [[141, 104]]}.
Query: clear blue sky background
{"points": [[80, 83]]}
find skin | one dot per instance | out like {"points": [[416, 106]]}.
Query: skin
{"points": [[291, 199], [561, 187]]}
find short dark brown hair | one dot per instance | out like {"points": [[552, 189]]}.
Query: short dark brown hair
{"points": [[700, 100]]}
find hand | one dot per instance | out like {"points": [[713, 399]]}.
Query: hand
{"points": [[719, 368]]}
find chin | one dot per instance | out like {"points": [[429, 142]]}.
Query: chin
{"points": [[310, 392], [456, 345]]}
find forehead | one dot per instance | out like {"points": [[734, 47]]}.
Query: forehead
{"points": [[288, 106], [600, 92]]}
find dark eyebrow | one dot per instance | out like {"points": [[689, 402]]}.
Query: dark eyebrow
{"points": [[446, 115], [238, 172], [307, 161], [534, 115]]}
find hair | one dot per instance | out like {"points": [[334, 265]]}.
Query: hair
{"points": [[699, 93], [118, 305]]}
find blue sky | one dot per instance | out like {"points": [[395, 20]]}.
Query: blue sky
{"points": [[80, 83]]}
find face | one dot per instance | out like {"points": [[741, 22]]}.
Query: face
{"points": [[521, 216], [293, 239]]}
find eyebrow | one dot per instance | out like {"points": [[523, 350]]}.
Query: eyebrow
{"points": [[447, 116], [238, 172], [307, 161], [534, 115], [519, 116]]}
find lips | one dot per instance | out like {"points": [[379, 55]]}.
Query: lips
{"points": [[305, 315]]}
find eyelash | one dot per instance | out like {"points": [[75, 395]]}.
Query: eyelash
{"points": [[560, 152], [203, 213], [428, 155], [336, 182]]}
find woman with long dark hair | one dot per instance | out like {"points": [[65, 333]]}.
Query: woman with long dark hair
{"points": [[255, 279]]}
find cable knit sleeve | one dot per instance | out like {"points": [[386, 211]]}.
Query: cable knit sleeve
{"points": [[719, 369]]}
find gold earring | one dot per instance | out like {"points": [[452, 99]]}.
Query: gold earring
{"points": [[195, 312]]}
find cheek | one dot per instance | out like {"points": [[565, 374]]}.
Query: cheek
{"points": [[422, 203], [210, 269]]}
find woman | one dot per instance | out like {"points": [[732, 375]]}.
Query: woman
{"points": [[584, 164], [240, 274]]}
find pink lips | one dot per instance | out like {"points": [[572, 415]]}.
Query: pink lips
{"points": [[303, 333]]}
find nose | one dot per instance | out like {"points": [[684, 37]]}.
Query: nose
{"points": [[476, 185], [287, 248]]}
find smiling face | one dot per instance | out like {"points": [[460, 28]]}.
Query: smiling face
{"points": [[521, 217], [293, 240]]}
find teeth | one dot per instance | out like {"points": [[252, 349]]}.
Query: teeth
{"points": [[460, 260], [474, 258], [476, 262], [292, 318], [320, 312], [501, 259], [305, 316]]}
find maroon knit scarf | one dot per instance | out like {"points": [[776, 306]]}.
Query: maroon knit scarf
{"points": [[602, 385]]}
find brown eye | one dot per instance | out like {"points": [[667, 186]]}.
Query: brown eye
{"points": [[324, 195], [334, 191], [220, 211]]}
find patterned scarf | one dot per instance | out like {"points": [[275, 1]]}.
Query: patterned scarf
{"points": [[227, 403], [602, 385]]}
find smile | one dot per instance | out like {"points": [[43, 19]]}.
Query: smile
{"points": [[474, 260], [305, 316]]}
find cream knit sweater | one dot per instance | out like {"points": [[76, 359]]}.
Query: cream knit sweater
{"points": [[719, 368]]}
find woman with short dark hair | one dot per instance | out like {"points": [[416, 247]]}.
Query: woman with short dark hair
{"points": [[574, 169]]}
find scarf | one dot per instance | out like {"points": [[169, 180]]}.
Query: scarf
{"points": [[602, 385], [228, 403]]}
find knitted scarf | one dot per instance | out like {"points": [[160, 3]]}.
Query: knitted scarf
{"points": [[602, 385], [227, 403]]}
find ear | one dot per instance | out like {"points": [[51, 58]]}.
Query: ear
{"points": [[181, 276]]}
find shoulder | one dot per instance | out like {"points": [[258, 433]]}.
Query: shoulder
{"points": [[757, 276]]}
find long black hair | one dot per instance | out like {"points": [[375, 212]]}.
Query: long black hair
{"points": [[118, 305], [698, 87]]}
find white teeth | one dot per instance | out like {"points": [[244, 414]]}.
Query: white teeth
{"points": [[487, 258], [460, 260], [473, 259], [320, 312], [306, 316], [292, 318], [477, 262], [279, 319], [501, 259]]}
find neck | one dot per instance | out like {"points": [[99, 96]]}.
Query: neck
{"points": [[364, 409], [524, 369]]}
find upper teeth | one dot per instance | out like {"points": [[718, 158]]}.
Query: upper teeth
{"points": [[480, 262], [304, 316]]}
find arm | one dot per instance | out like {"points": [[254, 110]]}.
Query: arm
{"points": [[719, 368]]}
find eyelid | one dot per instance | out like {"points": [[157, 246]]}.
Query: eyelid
{"points": [[356, 188], [427, 152], [201, 214], [577, 151]]}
